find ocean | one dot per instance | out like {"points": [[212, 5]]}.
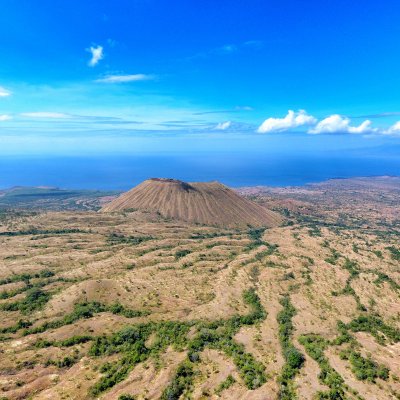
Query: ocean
{"points": [[233, 169]]}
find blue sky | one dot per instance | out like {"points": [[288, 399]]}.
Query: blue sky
{"points": [[129, 76]]}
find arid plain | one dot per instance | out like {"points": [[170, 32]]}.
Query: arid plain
{"points": [[133, 305]]}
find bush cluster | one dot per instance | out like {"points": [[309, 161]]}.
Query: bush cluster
{"points": [[83, 311], [365, 369], [376, 327], [315, 346], [181, 382], [181, 253], [26, 277], [226, 384], [130, 342], [294, 360], [394, 252], [34, 300], [117, 238]]}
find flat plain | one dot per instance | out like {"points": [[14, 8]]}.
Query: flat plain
{"points": [[130, 304]]}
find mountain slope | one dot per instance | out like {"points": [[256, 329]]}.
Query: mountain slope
{"points": [[209, 203]]}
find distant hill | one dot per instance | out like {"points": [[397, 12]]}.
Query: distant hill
{"points": [[209, 203], [53, 198]]}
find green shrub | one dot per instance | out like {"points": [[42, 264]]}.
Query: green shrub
{"points": [[334, 257], [130, 342], [181, 253], [21, 324], [315, 346], [72, 341], [43, 343], [42, 232], [382, 277], [375, 326], [65, 362], [26, 277], [294, 360], [349, 291], [256, 234], [365, 369], [378, 253], [226, 384], [126, 397], [288, 276], [117, 238], [352, 267], [394, 252], [84, 311], [34, 300], [181, 382]]}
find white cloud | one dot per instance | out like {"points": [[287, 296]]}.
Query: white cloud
{"points": [[394, 129], [223, 125], [44, 114], [338, 124], [4, 92], [5, 117], [97, 55], [364, 127], [292, 120], [125, 78]]}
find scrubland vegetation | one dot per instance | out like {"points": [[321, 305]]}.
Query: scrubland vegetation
{"points": [[132, 306]]}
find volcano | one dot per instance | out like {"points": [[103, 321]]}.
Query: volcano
{"points": [[208, 203]]}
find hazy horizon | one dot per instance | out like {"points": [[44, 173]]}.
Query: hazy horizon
{"points": [[251, 94], [124, 172]]}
